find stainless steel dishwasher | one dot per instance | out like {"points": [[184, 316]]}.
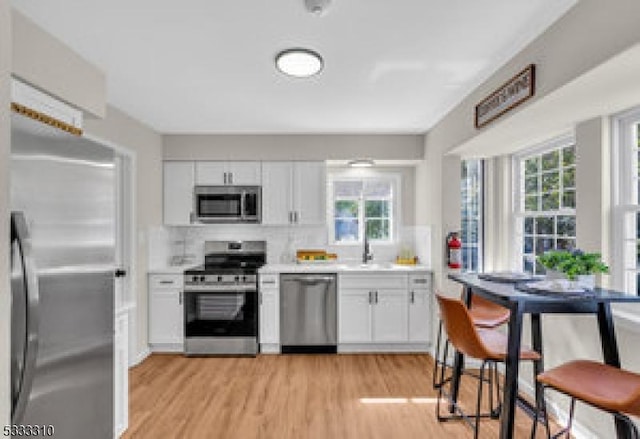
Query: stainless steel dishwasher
{"points": [[308, 313]]}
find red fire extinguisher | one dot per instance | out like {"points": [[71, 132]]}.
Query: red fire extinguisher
{"points": [[454, 250]]}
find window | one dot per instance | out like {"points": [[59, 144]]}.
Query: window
{"points": [[472, 208], [545, 202], [627, 203], [363, 205]]}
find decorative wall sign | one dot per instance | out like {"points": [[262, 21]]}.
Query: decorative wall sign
{"points": [[514, 92]]}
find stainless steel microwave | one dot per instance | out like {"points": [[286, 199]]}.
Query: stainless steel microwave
{"points": [[227, 204]]}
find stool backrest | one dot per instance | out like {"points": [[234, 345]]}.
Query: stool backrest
{"points": [[460, 328]]}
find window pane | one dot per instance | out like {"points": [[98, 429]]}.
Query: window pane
{"points": [[531, 166], [376, 208], [543, 244], [550, 160], [569, 199], [531, 203], [638, 225], [531, 185], [346, 230], [566, 244], [551, 201], [346, 209], [378, 229], [569, 178], [528, 225], [470, 231], [528, 244], [550, 182], [527, 264], [347, 188], [569, 155], [377, 189], [544, 226], [567, 225]]}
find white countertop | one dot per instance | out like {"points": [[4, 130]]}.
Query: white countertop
{"points": [[342, 268]]}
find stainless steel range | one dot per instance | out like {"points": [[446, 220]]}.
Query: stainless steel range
{"points": [[221, 299]]}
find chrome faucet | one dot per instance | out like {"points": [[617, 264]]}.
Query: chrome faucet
{"points": [[366, 252]]}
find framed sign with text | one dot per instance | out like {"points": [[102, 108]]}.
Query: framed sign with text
{"points": [[511, 94]]}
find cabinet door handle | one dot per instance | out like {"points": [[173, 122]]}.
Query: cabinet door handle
{"points": [[413, 297], [225, 177], [370, 297], [295, 216], [180, 298], [230, 177], [260, 298], [376, 297]]}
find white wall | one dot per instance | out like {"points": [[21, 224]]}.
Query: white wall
{"points": [[292, 147], [5, 308]]}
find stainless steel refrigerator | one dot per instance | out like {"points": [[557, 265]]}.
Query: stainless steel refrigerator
{"points": [[62, 281]]}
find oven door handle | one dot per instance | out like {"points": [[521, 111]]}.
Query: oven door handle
{"points": [[218, 290]]}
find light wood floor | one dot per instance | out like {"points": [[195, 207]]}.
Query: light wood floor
{"points": [[294, 397]]}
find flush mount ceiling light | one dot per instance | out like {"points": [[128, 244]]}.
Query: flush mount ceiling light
{"points": [[300, 63], [317, 7], [361, 163]]}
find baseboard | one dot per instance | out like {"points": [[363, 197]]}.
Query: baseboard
{"points": [[268, 348], [360, 348], [167, 347], [140, 357]]}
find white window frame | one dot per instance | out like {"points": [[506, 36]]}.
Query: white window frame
{"points": [[625, 200], [518, 213], [366, 175], [480, 217]]}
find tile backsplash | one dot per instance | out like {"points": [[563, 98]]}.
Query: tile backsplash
{"points": [[173, 245]]}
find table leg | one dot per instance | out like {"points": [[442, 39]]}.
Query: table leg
{"points": [[458, 359], [538, 366], [512, 363], [611, 355]]}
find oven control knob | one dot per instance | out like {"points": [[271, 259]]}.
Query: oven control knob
{"points": [[202, 278], [237, 278], [194, 279], [244, 278], [219, 278]]}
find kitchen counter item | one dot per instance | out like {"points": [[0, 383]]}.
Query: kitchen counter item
{"points": [[308, 313]]}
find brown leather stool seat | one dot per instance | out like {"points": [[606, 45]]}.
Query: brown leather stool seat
{"points": [[485, 314], [606, 387], [487, 345]]}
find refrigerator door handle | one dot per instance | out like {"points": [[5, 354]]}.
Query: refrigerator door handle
{"points": [[20, 229]]}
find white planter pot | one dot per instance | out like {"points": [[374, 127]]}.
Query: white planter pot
{"points": [[586, 281]]}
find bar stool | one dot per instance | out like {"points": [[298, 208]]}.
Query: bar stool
{"points": [[485, 314], [605, 387], [487, 345]]}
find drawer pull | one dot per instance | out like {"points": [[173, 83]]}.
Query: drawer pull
{"points": [[420, 281], [166, 282], [269, 282]]}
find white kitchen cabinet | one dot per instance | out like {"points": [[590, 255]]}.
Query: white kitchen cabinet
{"points": [[178, 181], [218, 173], [166, 312], [420, 308], [121, 373], [269, 313], [293, 193], [354, 323], [390, 316], [373, 308]]}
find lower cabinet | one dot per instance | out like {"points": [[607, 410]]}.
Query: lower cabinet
{"points": [[166, 313], [269, 313], [385, 310]]}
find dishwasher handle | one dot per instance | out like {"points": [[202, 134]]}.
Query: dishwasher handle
{"points": [[311, 280]]}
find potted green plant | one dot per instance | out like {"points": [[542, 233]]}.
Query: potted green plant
{"points": [[575, 265]]}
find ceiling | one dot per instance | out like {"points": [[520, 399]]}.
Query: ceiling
{"points": [[203, 66]]}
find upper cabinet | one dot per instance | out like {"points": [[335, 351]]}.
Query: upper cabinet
{"points": [[293, 193], [178, 181], [215, 173]]}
